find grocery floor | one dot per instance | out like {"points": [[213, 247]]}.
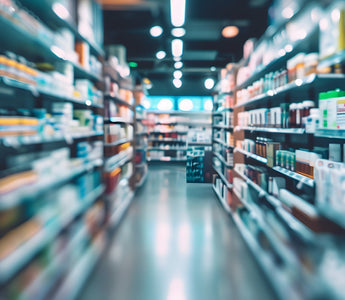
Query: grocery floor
{"points": [[176, 243]]}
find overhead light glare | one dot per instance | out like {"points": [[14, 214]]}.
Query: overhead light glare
{"points": [[209, 83], [213, 69], [287, 12], [178, 12], [161, 54], [178, 65], [178, 74], [177, 58], [61, 11], [156, 31], [177, 83], [178, 32], [177, 47], [230, 31]]}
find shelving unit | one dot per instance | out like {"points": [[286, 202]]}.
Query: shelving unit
{"points": [[264, 195], [50, 176]]}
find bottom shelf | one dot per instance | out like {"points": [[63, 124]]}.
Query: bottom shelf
{"points": [[142, 180], [120, 210], [80, 272], [222, 200]]}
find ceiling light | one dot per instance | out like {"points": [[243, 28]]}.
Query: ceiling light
{"points": [[178, 32], [178, 12], [161, 54], [177, 58], [178, 65], [165, 104], [177, 83], [209, 83], [230, 31], [178, 74], [177, 47], [61, 11], [213, 69], [186, 105], [156, 31]]}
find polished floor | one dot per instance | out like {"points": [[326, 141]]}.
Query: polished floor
{"points": [[176, 243]]}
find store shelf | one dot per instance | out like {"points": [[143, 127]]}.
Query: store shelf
{"points": [[9, 87], [176, 113], [205, 144], [306, 180], [225, 127], [27, 193], [332, 60], [252, 155], [221, 175], [82, 73], [299, 84], [142, 180], [272, 130], [166, 149], [45, 281], [45, 10], [120, 209], [118, 120], [276, 277], [20, 141], [141, 148], [119, 101], [222, 201], [167, 140], [79, 273], [119, 142], [271, 199], [168, 132], [330, 133], [182, 159], [221, 158], [142, 133], [117, 161], [219, 141], [24, 253]]}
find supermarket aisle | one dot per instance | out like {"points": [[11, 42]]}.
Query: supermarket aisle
{"points": [[176, 243]]}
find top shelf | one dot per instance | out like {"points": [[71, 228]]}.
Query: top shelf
{"points": [[36, 49], [56, 15], [315, 79]]}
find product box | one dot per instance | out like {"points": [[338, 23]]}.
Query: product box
{"points": [[332, 31], [275, 117], [271, 149], [305, 162], [83, 51]]}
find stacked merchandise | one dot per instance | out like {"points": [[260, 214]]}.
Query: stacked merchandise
{"points": [[52, 211], [286, 196]]}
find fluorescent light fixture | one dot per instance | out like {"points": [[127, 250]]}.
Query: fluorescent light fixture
{"points": [[230, 31], [177, 83], [178, 32], [209, 83], [178, 12], [156, 31], [161, 54], [165, 104], [186, 105], [177, 47], [178, 74], [178, 65]]}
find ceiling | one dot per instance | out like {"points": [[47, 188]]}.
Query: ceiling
{"points": [[127, 22]]}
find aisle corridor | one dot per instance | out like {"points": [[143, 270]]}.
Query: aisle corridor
{"points": [[176, 243]]}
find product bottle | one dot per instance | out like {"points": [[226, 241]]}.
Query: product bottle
{"points": [[292, 115], [299, 115]]}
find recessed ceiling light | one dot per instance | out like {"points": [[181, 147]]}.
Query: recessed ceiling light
{"points": [[178, 65], [178, 12], [161, 54], [177, 47], [177, 58], [156, 31], [209, 83], [177, 83], [178, 74], [178, 32], [230, 31], [213, 69]]}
